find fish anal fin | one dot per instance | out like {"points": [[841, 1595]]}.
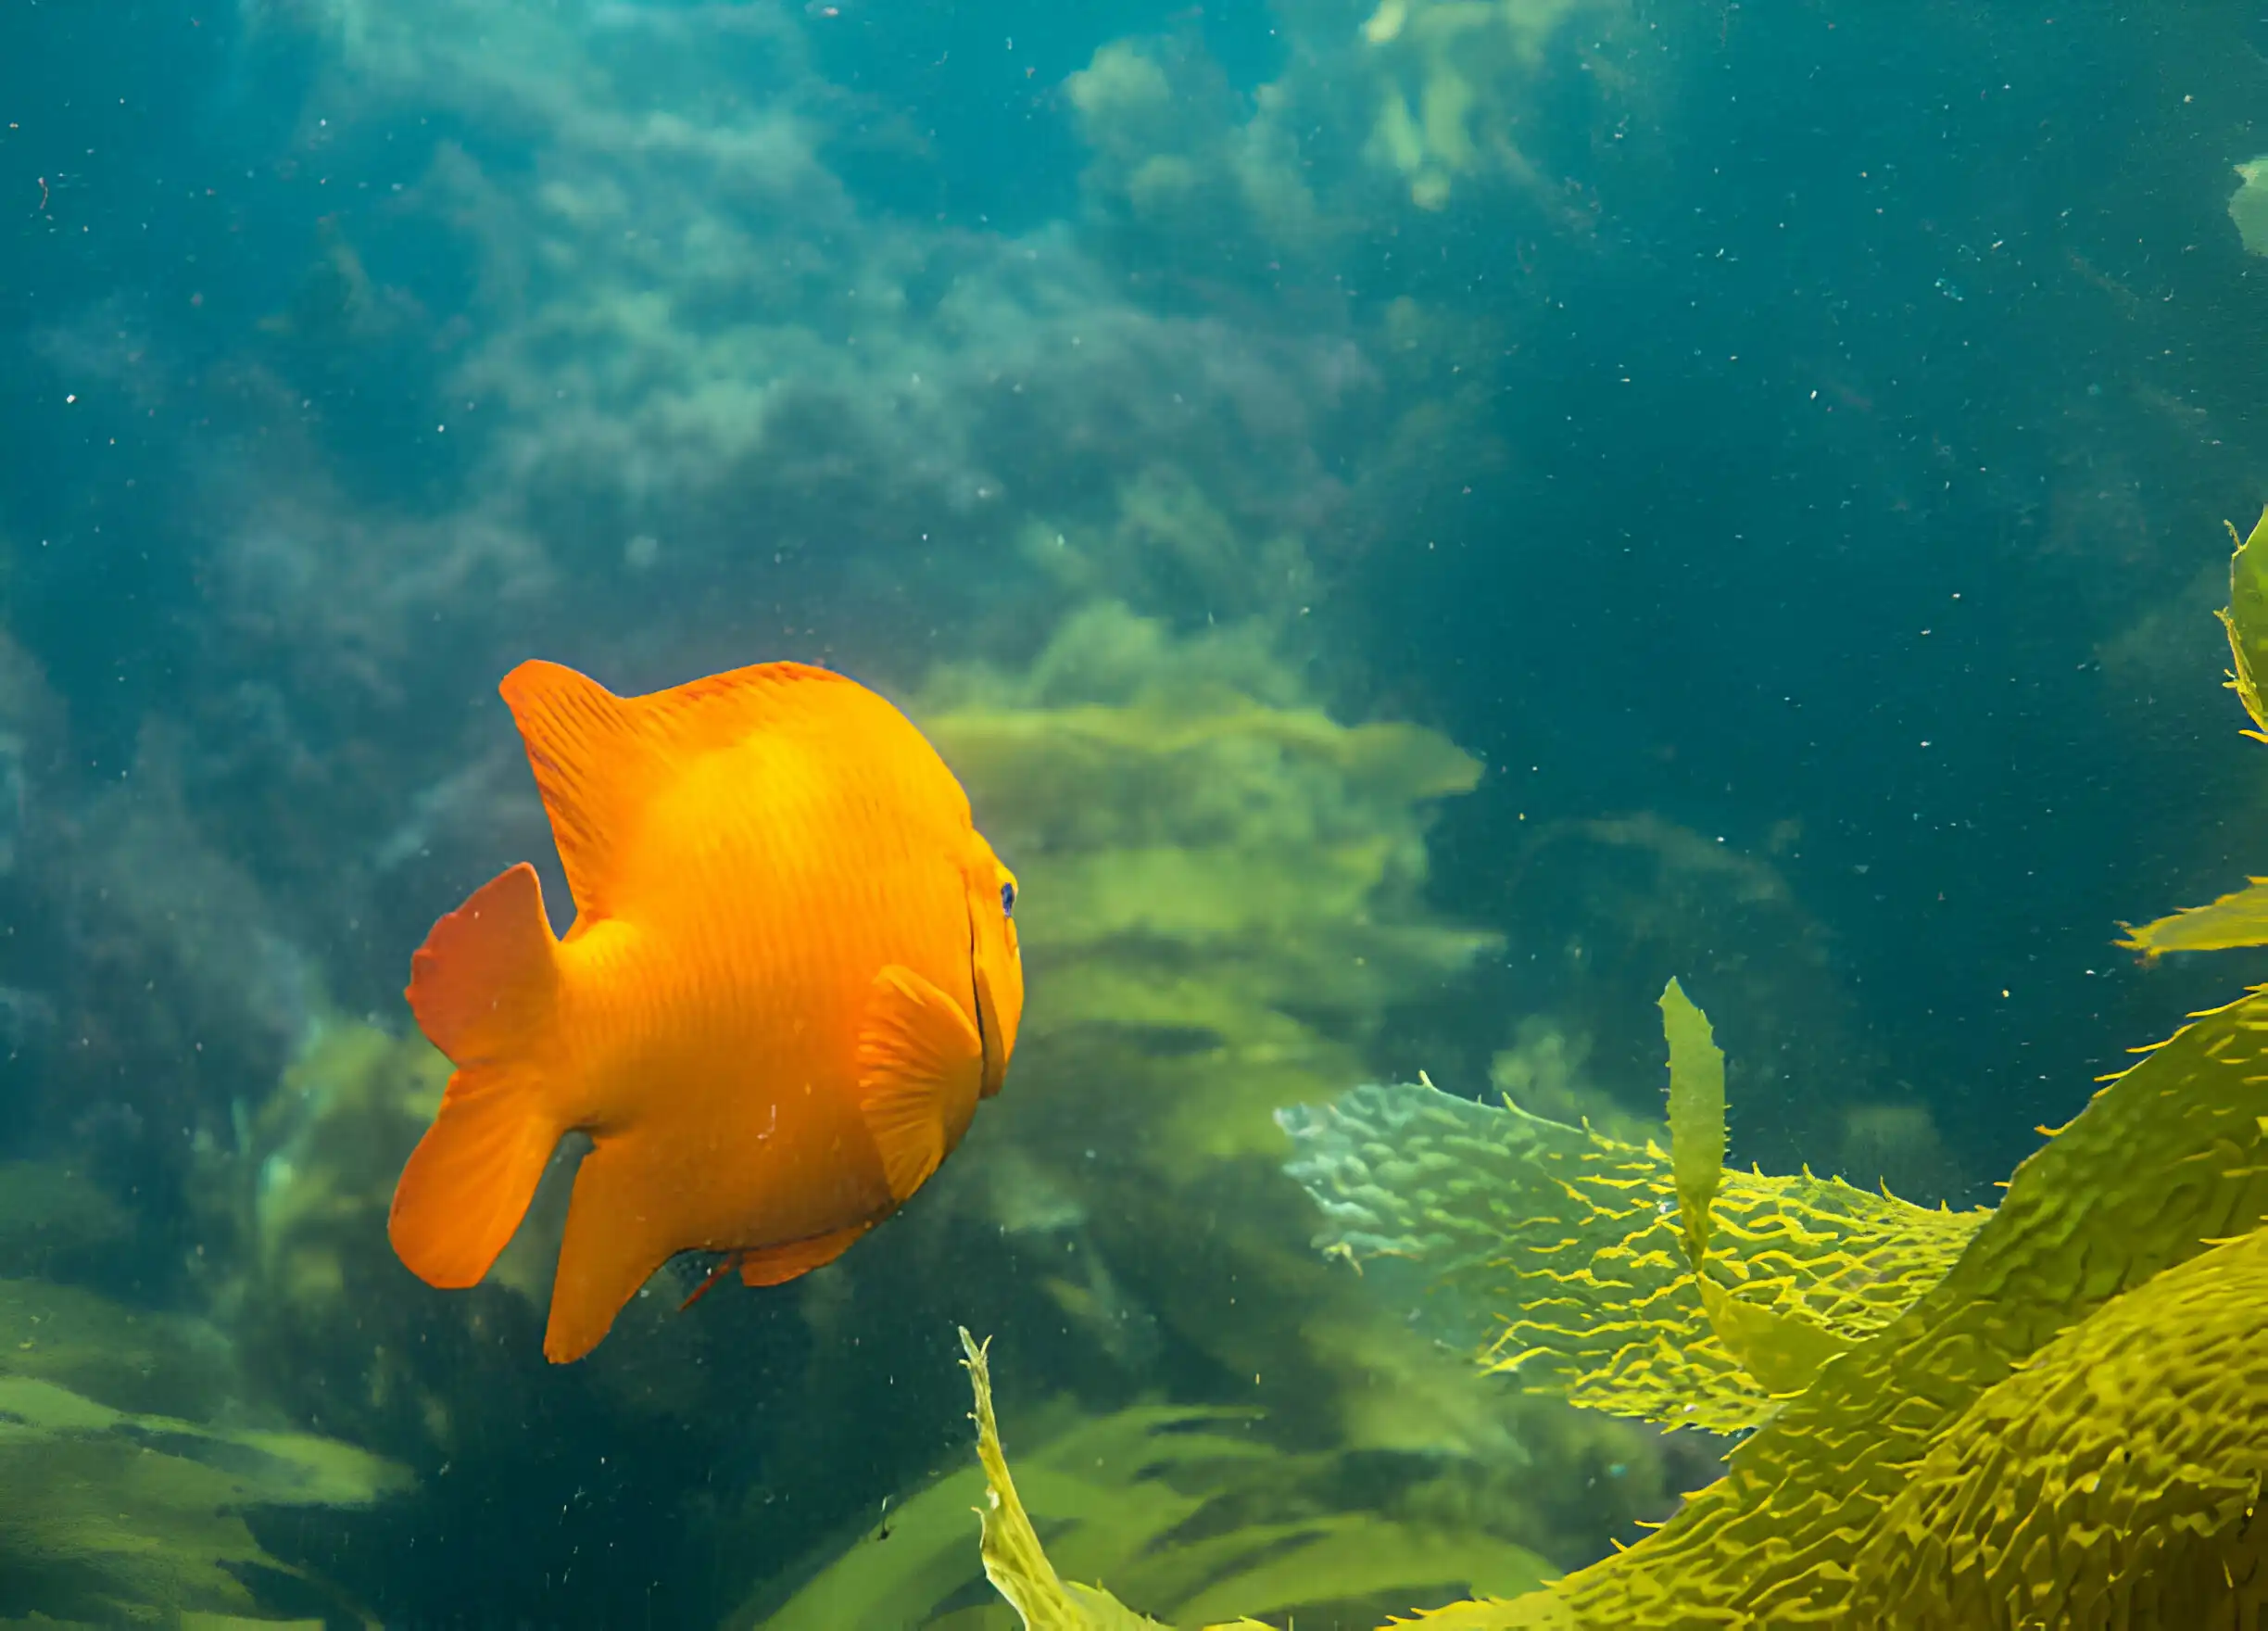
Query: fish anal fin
{"points": [[920, 1069], [775, 1265], [618, 1234], [468, 1181], [584, 746]]}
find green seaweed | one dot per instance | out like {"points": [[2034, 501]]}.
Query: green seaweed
{"points": [[1168, 1543], [1184, 1511], [1223, 886], [2240, 919], [1697, 1116], [2062, 1430], [1569, 1249], [124, 1486]]}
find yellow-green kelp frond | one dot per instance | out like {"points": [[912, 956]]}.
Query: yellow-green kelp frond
{"points": [[1186, 1511], [1566, 1246], [2114, 1479], [2247, 621], [2240, 918], [1203, 1557], [1779, 1343], [2171, 1156], [1014, 1559], [1696, 1115]]}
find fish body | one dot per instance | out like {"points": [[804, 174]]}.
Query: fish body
{"points": [[793, 973]]}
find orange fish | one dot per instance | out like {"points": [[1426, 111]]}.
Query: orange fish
{"points": [[793, 971]]}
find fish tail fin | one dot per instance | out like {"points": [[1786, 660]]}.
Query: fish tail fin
{"points": [[484, 990]]}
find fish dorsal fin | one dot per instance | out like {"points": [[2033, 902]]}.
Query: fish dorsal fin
{"points": [[586, 747], [920, 1066], [723, 710], [598, 756]]}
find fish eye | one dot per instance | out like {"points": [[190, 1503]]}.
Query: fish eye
{"points": [[1008, 900]]}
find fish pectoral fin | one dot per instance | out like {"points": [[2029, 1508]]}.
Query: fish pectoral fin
{"points": [[920, 1069], [775, 1265]]}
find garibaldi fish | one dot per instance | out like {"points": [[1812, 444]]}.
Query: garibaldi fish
{"points": [[792, 973]]}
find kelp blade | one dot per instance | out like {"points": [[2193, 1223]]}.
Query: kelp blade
{"points": [[2171, 1156], [1567, 1245], [2240, 918], [1780, 1347], [1697, 1114], [1014, 1559], [2135, 1436], [2247, 621], [2237, 919]]}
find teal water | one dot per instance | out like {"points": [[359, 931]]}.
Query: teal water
{"points": [[1785, 450]]}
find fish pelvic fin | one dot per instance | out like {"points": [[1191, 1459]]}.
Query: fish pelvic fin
{"points": [[920, 1070], [484, 990]]}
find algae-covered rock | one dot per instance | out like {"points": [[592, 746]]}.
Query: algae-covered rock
{"points": [[126, 1519], [1454, 82], [126, 1359], [129, 1469]]}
